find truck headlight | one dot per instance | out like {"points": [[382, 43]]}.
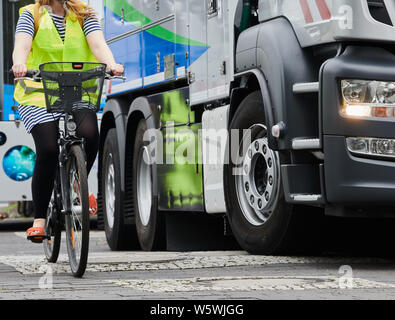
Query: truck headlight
{"points": [[378, 147], [368, 99]]}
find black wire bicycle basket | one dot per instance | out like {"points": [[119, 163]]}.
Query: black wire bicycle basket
{"points": [[72, 86]]}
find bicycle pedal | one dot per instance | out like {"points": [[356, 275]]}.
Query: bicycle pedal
{"points": [[38, 238]]}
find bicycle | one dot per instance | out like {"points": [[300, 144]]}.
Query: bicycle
{"points": [[70, 87]]}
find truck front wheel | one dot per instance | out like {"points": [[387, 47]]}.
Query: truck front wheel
{"points": [[150, 222], [257, 211]]}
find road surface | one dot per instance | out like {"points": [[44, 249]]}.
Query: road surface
{"points": [[212, 275]]}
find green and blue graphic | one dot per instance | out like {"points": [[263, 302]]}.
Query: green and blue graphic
{"points": [[18, 163], [139, 51]]}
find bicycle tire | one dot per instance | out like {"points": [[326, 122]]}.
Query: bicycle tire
{"points": [[53, 228], [77, 221]]}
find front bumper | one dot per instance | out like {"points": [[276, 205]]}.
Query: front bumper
{"points": [[352, 179]]}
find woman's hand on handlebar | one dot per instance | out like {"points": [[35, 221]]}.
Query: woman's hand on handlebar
{"points": [[116, 69], [19, 70]]}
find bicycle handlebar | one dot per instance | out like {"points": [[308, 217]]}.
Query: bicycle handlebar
{"points": [[110, 76], [34, 75]]}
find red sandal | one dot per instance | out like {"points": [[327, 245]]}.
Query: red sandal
{"points": [[36, 234], [92, 205]]}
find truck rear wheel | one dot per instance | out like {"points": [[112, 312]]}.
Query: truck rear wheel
{"points": [[119, 236], [150, 222], [259, 216]]}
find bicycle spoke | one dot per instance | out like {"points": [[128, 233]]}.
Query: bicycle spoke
{"points": [[52, 228], [75, 219], [76, 235]]}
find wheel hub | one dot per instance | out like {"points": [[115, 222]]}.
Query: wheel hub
{"points": [[257, 186], [144, 186], [259, 174], [110, 192]]}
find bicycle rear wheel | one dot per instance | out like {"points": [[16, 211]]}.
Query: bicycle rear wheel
{"points": [[53, 227], [77, 221]]}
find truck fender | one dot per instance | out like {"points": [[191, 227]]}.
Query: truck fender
{"points": [[274, 49], [236, 99], [139, 109], [149, 112]]}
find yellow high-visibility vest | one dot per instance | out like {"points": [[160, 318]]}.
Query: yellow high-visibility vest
{"points": [[47, 46]]}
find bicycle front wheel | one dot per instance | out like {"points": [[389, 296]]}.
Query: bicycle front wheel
{"points": [[77, 221]]}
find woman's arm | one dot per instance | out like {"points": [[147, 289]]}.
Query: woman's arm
{"points": [[22, 47], [102, 52]]}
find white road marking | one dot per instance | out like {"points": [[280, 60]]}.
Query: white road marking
{"points": [[244, 284], [149, 261]]}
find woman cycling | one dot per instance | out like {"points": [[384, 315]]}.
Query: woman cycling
{"points": [[55, 31]]}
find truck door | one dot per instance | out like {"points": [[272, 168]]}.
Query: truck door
{"points": [[209, 50], [197, 54], [219, 52]]}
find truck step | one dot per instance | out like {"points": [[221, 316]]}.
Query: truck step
{"points": [[306, 144], [308, 87], [307, 198]]}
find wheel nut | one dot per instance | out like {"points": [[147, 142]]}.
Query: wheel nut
{"points": [[252, 199], [267, 196], [246, 168], [269, 162], [271, 180], [260, 204], [256, 145], [264, 149], [247, 186], [250, 153]]}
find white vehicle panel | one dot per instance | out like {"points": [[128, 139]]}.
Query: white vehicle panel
{"points": [[214, 140]]}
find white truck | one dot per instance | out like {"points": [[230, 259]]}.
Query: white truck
{"points": [[270, 113]]}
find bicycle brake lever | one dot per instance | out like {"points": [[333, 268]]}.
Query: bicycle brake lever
{"points": [[28, 78], [119, 77]]}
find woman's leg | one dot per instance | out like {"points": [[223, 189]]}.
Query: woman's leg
{"points": [[87, 128], [45, 137]]}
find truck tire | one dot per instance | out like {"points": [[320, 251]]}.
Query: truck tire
{"points": [[150, 222], [260, 218], [119, 235], [25, 208], [21, 207], [29, 209]]}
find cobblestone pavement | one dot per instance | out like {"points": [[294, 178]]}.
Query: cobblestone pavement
{"points": [[25, 274]]}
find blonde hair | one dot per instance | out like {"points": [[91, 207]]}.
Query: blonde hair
{"points": [[79, 8]]}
